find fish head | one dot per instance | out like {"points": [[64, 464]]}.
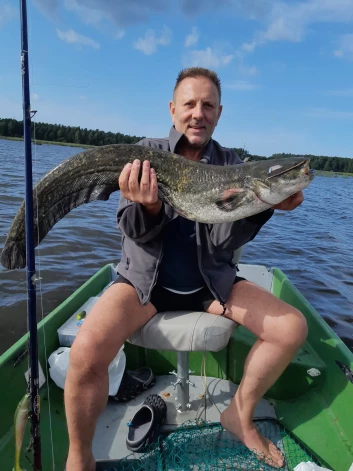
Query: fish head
{"points": [[275, 180]]}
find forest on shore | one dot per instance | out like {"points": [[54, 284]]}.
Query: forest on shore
{"points": [[12, 128]]}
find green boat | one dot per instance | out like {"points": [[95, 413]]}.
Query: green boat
{"points": [[309, 407]]}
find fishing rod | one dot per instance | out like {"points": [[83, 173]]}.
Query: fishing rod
{"points": [[30, 255]]}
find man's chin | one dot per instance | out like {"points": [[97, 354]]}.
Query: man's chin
{"points": [[196, 141]]}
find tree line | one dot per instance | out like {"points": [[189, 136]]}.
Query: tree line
{"points": [[67, 134], [317, 162], [84, 136]]}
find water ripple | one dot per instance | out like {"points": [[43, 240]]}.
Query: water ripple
{"points": [[312, 245]]}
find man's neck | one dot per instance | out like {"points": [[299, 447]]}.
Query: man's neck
{"points": [[189, 152]]}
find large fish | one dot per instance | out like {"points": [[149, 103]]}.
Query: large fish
{"points": [[200, 192]]}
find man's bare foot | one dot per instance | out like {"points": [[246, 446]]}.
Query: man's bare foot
{"points": [[264, 449], [75, 462]]}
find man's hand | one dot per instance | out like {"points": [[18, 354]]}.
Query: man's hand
{"points": [[290, 203], [145, 191]]}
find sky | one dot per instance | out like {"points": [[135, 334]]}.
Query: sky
{"points": [[286, 67]]}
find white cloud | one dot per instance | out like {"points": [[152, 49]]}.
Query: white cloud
{"points": [[248, 70], [86, 114], [7, 12], [338, 53], [326, 113], [348, 92], [207, 58], [254, 9], [35, 96], [345, 50], [71, 37], [192, 38], [269, 141], [120, 34], [50, 8], [121, 13], [290, 21], [248, 47], [242, 85], [148, 44]]}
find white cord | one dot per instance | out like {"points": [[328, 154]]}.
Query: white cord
{"points": [[203, 376]]}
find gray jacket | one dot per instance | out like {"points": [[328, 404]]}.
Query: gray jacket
{"points": [[142, 247]]}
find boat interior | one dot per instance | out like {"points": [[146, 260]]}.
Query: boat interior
{"points": [[198, 362], [192, 396]]}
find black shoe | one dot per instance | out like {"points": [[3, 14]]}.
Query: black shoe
{"points": [[145, 423], [133, 383]]}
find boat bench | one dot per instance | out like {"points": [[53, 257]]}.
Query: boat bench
{"points": [[184, 332]]}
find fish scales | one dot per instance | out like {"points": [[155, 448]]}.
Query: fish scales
{"points": [[205, 193]]}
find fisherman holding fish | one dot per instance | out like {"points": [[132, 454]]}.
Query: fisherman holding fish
{"points": [[172, 263]]}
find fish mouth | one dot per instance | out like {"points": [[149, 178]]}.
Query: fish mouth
{"points": [[284, 180], [304, 168]]}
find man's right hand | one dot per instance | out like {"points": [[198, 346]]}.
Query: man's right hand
{"points": [[145, 191]]}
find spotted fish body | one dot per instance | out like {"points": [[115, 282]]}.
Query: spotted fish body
{"points": [[200, 192], [21, 416]]}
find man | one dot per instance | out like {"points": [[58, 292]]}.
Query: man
{"points": [[166, 256]]}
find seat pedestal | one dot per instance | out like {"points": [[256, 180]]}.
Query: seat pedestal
{"points": [[182, 383]]}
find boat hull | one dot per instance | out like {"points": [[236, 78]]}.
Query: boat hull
{"points": [[312, 398]]}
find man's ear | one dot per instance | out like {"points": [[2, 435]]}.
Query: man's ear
{"points": [[172, 110], [219, 112]]}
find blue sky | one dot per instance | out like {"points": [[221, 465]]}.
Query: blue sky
{"points": [[286, 67]]}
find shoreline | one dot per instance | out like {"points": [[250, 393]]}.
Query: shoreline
{"points": [[320, 173], [54, 143]]}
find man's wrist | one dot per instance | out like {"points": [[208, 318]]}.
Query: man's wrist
{"points": [[154, 208]]}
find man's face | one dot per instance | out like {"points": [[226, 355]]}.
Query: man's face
{"points": [[196, 109]]}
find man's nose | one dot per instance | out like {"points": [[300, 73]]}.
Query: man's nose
{"points": [[198, 112]]}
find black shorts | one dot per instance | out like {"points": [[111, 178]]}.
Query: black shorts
{"points": [[165, 300]]}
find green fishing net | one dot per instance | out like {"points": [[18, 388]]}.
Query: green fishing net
{"points": [[205, 446]]}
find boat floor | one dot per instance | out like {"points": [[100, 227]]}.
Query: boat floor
{"points": [[111, 431]]}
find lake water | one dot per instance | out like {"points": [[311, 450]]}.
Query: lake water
{"points": [[312, 245]]}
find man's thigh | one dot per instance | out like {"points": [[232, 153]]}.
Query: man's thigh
{"points": [[259, 311], [115, 317]]}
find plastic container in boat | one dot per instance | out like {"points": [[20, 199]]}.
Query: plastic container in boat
{"points": [[59, 364], [68, 331]]}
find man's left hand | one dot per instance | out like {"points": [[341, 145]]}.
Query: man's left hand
{"points": [[290, 203]]}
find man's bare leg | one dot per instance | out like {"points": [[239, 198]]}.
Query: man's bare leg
{"points": [[114, 318], [281, 330]]}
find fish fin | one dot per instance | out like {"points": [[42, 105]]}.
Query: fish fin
{"points": [[230, 199], [13, 254]]}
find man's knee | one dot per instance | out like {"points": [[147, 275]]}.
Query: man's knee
{"points": [[293, 330], [88, 359]]}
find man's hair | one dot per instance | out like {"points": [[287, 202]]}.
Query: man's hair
{"points": [[195, 72]]}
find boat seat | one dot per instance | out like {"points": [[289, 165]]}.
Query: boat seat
{"points": [[184, 332]]}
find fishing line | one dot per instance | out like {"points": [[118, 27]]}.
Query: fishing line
{"points": [[39, 278], [203, 375]]}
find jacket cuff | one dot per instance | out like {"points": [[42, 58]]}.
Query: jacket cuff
{"points": [[152, 220]]}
